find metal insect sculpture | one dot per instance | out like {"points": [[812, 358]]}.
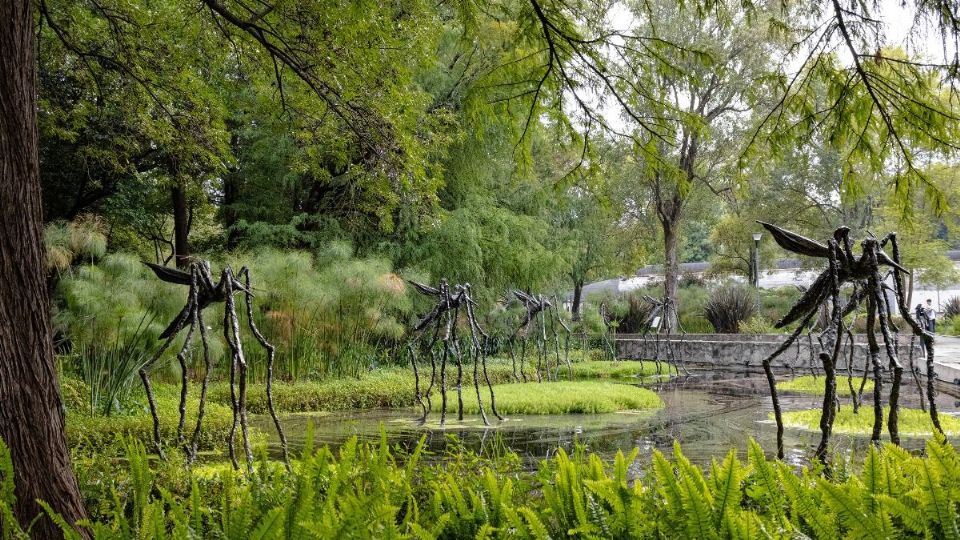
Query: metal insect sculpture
{"points": [[443, 318], [540, 315], [863, 272], [656, 323], [203, 292]]}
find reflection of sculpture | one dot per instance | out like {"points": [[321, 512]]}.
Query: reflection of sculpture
{"points": [[538, 310], [445, 313], [864, 273], [203, 292]]}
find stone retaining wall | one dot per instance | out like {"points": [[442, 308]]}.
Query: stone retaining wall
{"points": [[749, 350]]}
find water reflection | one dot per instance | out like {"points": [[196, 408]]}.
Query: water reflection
{"points": [[707, 413]]}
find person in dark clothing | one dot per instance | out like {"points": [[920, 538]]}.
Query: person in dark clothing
{"points": [[931, 314]]}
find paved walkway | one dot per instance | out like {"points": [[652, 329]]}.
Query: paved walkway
{"points": [[947, 358]]}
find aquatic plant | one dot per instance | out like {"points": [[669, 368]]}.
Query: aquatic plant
{"points": [[111, 318], [913, 422], [808, 384], [583, 397], [69, 242]]}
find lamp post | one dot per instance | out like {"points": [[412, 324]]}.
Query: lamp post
{"points": [[756, 259], [756, 267]]}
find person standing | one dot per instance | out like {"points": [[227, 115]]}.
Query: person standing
{"points": [[931, 314]]}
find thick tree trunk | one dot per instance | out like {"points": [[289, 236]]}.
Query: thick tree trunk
{"points": [[31, 413], [577, 298], [181, 226], [231, 192], [671, 273]]}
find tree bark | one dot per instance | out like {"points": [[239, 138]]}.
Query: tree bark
{"points": [[671, 273], [181, 226], [231, 193], [577, 299], [31, 411]]}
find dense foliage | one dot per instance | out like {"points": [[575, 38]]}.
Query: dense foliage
{"points": [[369, 490]]}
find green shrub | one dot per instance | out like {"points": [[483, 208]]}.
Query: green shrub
{"points": [[757, 325], [776, 302], [330, 315], [113, 313], [696, 324], [729, 306], [68, 242], [949, 327], [634, 315]]}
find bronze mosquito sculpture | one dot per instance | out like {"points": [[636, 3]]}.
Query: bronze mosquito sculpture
{"points": [[203, 292], [863, 272], [538, 309], [450, 303]]}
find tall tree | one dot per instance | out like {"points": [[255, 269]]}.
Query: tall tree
{"points": [[700, 87], [31, 411]]}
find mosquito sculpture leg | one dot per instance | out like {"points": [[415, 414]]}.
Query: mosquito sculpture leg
{"points": [[271, 353], [479, 353], [184, 350], [144, 371], [913, 372], [926, 338], [416, 378], [566, 342], [231, 330], [883, 310], [829, 361], [772, 381], [208, 369]]}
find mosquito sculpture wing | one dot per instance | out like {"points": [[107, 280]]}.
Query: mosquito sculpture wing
{"points": [[796, 243], [170, 275], [524, 297], [424, 289], [812, 298]]}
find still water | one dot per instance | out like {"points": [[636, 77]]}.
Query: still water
{"points": [[708, 413]]}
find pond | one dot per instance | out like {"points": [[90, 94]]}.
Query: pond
{"points": [[707, 412]]}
